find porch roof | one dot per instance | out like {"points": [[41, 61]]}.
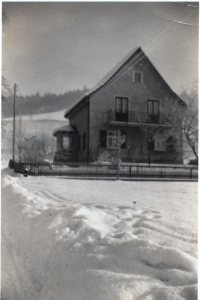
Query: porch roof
{"points": [[66, 128]]}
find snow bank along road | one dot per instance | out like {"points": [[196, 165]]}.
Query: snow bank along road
{"points": [[71, 239]]}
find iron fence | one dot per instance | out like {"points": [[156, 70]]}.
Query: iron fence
{"points": [[124, 170]]}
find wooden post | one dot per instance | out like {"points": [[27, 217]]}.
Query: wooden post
{"points": [[118, 154], [14, 123]]}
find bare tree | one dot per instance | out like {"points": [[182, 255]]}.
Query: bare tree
{"points": [[163, 129], [32, 150], [49, 144], [190, 129]]}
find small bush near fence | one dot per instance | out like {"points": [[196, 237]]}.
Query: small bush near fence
{"points": [[108, 170]]}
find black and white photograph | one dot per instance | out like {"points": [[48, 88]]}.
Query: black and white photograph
{"points": [[99, 150]]}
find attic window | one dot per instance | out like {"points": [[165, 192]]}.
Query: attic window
{"points": [[137, 77]]}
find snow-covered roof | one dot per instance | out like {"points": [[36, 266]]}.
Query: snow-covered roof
{"points": [[105, 79], [66, 128]]}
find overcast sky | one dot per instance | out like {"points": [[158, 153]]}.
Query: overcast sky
{"points": [[51, 47]]}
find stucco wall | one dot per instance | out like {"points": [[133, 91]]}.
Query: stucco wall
{"points": [[80, 120], [122, 85]]}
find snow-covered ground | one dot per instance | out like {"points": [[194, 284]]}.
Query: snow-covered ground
{"points": [[113, 240], [56, 115]]}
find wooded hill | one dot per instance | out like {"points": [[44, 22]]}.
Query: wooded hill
{"points": [[37, 104]]}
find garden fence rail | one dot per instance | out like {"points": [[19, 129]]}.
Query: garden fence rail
{"points": [[106, 170]]}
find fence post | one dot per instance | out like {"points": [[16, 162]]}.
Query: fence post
{"points": [[129, 171]]}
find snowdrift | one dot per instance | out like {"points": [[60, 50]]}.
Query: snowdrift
{"points": [[105, 240]]}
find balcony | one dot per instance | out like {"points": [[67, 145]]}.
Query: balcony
{"points": [[134, 118]]}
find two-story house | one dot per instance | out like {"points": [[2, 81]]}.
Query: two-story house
{"points": [[129, 103]]}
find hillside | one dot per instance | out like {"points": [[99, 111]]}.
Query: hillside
{"points": [[37, 104]]}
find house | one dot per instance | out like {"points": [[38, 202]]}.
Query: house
{"points": [[126, 109]]}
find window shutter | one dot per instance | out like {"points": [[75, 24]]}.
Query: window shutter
{"points": [[156, 108], [118, 105], [79, 142], [123, 146], [84, 140], [103, 138], [151, 144], [150, 107], [170, 144], [124, 105]]}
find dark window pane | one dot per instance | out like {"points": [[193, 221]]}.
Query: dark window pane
{"points": [[138, 77], [118, 105], [156, 107], [124, 105], [170, 144], [150, 107]]}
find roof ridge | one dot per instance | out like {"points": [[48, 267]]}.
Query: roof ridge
{"points": [[113, 72], [106, 78]]}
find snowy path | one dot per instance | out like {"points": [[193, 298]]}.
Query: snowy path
{"points": [[104, 239]]}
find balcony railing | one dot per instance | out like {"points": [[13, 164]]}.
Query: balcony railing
{"points": [[136, 117]]}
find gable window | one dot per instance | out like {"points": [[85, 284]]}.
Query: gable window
{"points": [[121, 109], [111, 139], [153, 111], [137, 77]]}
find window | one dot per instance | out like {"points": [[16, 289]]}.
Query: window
{"points": [[121, 105], [69, 142], [65, 142], [137, 77], [121, 109], [111, 139], [153, 111], [160, 144]]}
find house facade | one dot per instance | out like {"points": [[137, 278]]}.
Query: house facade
{"points": [[128, 109]]}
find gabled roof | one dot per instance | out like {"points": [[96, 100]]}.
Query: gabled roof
{"points": [[138, 53]]}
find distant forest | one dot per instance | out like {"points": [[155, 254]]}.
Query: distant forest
{"points": [[37, 104]]}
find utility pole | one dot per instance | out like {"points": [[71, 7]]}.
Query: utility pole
{"points": [[14, 123], [118, 153]]}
